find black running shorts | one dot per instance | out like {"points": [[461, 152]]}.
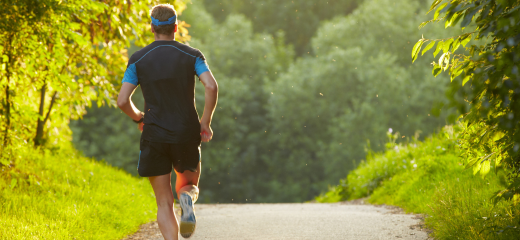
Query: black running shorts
{"points": [[157, 158]]}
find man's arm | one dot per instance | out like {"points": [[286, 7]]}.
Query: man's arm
{"points": [[124, 101], [210, 102]]}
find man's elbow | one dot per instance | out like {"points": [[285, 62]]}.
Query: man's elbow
{"points": [[122, 102], [212, 88]]}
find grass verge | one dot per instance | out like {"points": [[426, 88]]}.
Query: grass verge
{"points": [[59, 194], [429, 178]]}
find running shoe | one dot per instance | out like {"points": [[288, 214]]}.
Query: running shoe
{"points": [[188, 219]]}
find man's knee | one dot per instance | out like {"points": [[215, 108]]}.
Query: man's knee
{"points": [[164, 203]]}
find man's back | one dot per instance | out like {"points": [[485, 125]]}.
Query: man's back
{"points": [[166, 72]]}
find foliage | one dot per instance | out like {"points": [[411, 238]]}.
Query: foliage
{"points": [[58, 194], [428, 177], [350, 91], [58, 57], [492, 101], [299, 19]]}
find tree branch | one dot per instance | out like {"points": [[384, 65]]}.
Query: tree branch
{"points": [[50, 107]]}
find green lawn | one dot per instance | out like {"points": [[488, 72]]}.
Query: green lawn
{"points": [[59, 194], [429, 178]]}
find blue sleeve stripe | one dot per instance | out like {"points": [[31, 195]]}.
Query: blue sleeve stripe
{"points": [[201, 66], [131, 75], [178, 49]]}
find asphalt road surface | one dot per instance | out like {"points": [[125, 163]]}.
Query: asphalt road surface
{"points": [[297, 221]]}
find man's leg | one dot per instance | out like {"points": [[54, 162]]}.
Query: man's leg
{"points": [[187, 190], [165, 215], [188, 181]]}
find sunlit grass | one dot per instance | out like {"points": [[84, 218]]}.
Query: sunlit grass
{"points": [[429, 178], [62, 195]]}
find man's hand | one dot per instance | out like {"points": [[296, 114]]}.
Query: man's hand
{"points": [[206, 133], [140, 126]]}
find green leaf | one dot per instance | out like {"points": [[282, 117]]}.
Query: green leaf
{"points": [[444, 61], [465, 66], [428, 47], [455, 73], [466, 6], [484, 170], [434, 4], [456, 45], [477, 167], [436, 70], [456, 20], [416, 49], [423, 24], [472, 162], [438, 49], [485, 12], [469, 16], [466, 79], [447, 45], [466, 40], [436, 15], [13, 183], [453, 20]]}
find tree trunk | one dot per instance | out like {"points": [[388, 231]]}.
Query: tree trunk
{"points": [[38, 140], [7, 111], [39, 126], [7, 96]]}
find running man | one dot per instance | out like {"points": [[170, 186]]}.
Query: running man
{"points": [[171, 130]]}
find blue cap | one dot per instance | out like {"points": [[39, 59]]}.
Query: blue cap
{"points": [[170, 21]]}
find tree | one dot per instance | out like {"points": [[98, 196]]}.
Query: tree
{"points": [[346, 92], [485, 81], [58, 57], [299, 19]]}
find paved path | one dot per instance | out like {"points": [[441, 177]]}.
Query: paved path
{"points": [[298, 221]]}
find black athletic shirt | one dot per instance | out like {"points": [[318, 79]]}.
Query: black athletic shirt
{"points": [[166, 72]]}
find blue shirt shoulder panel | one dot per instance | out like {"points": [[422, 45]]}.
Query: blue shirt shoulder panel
{"points": [[131, 75], [201, 66], [131, 72]]}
